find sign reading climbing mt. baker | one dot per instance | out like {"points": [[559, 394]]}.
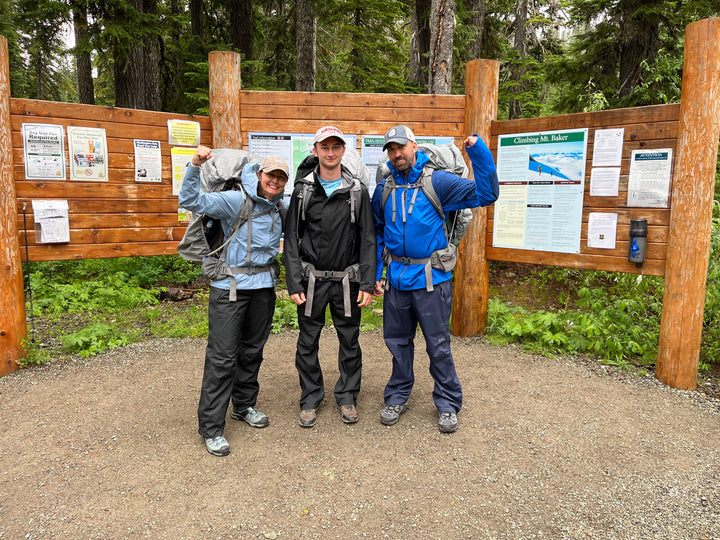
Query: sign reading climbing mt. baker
{"points": [[542, 180]]}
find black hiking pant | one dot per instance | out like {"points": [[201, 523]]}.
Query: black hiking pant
{"points": [[307, 361], [237, 334]]}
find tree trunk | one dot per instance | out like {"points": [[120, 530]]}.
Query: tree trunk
{"points": [[420, 42], [305, 39], [241, 27], [638, 41], [477, 23], [519, 46], [130, 74], [151, 63], [197, 18], [442, 30], [83, 62]]}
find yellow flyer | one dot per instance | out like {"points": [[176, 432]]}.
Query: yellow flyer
{"points": [[184, 132]]}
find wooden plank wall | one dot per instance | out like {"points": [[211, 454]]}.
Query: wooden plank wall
{"points": [[124, 218], [354, 114], [645, 128], [116, 218]]}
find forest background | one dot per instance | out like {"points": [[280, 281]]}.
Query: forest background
{"points": [[556, 56]]}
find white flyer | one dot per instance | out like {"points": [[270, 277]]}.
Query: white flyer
{"points": [[44, 151], [52, 224], [602, 230], [148, 161], [608, 147], [649, 180], [604, 181]]}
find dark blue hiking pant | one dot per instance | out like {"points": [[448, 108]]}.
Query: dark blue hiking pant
{"points": [[237, 334], [402, 311]]}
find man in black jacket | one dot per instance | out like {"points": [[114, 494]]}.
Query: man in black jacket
{"points": [[330, 259]]}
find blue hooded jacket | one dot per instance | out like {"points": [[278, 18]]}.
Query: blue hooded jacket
{"points": [[418, 234], [226, 205]]}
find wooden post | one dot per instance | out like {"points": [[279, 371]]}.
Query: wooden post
{"points": [[13, 326], [691, 213], [224, 72], [470, 301]]}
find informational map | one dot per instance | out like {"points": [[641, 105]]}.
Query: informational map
{"points": [[292, 147], [542, 180]]}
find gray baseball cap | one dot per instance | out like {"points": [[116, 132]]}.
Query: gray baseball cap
{"points": [[399, 134]]}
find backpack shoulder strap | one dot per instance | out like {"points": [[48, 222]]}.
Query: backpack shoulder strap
{"points": [[388, 188], [355, 193], [245, 211], [429, 190]]}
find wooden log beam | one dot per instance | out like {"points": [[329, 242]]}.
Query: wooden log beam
{"points": [[224, 96], [691, 214], [13, 326], [470, 301]]}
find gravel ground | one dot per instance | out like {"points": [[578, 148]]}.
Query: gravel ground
{"points": [[547, 448]]}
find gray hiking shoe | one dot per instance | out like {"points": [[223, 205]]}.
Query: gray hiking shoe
{"points": [[217, 446], [447, 421], [391, 413], [307, 418], [349, 413], [252, 416]]}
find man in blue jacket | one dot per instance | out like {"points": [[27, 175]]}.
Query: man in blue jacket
{"points": [[239, 324], [409, 229]]}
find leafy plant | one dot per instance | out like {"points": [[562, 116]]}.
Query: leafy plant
{"points": [[285, 315], [616, 317], [94, 339]]}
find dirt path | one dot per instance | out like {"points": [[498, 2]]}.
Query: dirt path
{"points": [[108, 448]]}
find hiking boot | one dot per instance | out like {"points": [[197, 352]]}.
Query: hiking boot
{"points": [[391, 413], [349, 413], [447, 421], [307, 418], [217, 446], [252, 416]]}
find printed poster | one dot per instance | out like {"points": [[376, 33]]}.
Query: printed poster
{"points": [[44, 151], [292, 147], [87, 149], [542, 182], [148, 161]]}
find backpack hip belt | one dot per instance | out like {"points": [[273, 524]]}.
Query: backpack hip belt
{"points": [[249, 270], [351, 273], [441, 259]]}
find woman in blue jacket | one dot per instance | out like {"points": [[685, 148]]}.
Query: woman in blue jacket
{"points": [[239, 319]]}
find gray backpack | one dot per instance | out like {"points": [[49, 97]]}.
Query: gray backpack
{"points": [[446, 158], [455, 224]]}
